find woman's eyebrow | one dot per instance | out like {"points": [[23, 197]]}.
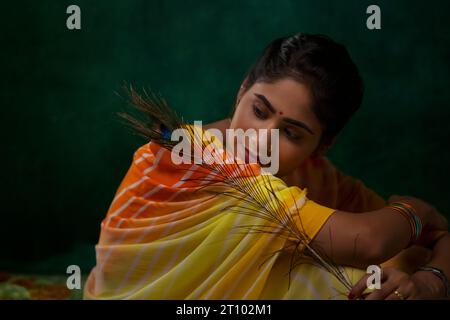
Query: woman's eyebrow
{"points": [[266, 102], [288, 120], [298, 124]]}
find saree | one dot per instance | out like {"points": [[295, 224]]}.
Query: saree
{"points": [[179, 232]]}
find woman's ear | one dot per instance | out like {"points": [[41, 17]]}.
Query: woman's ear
{"points": [[242, 89]]}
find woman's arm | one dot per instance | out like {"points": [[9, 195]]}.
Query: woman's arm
{"points": [[373, 237], [359, 239], [353, 196], [363, 239]]}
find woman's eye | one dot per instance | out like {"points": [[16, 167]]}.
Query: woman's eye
{"points": [[291, 134], [258, 112]]}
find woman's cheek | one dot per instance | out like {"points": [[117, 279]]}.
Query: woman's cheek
{"points": [[292, 156], [287, 159]]}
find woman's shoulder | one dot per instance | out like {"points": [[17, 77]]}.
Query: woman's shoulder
{"points": [[352, 193], [319, 176], [318, 168]]}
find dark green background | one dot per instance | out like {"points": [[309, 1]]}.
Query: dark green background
{"points": [[64, 152]]}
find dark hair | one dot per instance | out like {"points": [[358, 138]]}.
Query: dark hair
{"points": [[324, 66]]}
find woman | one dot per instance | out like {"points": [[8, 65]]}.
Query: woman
{"points": [[313, 80], [161, 239]]}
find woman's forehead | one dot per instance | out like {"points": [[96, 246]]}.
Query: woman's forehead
{"points": [[291, 98]]}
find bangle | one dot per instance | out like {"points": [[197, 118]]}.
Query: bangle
{"points": [[441, 275], [415, 223]]}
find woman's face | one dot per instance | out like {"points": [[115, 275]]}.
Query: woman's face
{"points": [[285, 105]]}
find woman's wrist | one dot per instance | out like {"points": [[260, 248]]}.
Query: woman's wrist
{"points": [[439, 275], [435, 286], [421, 208], [415, 221]]}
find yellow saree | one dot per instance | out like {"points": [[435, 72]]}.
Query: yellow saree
{"points": [[178, 232]]}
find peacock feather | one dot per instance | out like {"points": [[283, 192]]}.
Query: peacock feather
{"points": [[156, 122]]}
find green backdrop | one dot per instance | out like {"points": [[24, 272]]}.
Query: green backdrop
{"points": [[64, 152]]}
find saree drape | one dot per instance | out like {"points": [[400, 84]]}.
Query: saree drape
{"points": [[172, 232]]}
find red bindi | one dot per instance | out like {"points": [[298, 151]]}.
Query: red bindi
{"points": [[281, 112]]}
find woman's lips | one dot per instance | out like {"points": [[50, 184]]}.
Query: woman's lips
{"points": [[247, 156], [254, 157]]}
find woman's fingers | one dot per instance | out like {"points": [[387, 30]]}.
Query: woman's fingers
{"points": [[393, 296], [395, 285], [401, 289], [382, 293], [404, 292], [359, 287]]}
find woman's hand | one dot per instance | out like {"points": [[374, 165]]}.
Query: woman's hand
{"points": [[398, 285]]}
